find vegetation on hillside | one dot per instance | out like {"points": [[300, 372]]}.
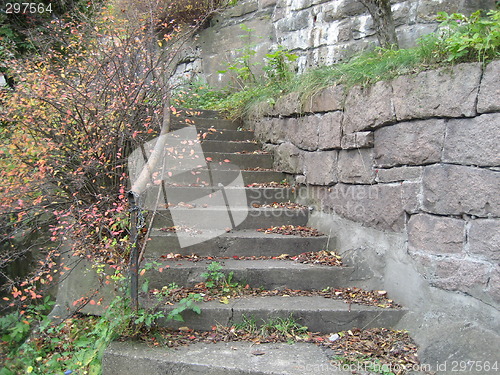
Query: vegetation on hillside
{"points": [[89, 89]]}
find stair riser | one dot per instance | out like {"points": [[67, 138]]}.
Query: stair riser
{"points": [[199, 113], [218, 161], [277, 278], [225, 177], [210, 146], [316, 321], [205, 194], [242, 160], [227, 135], [226, 246], [229, 147], [207, 219], [209, 133], [114, 364], [206, 123]]}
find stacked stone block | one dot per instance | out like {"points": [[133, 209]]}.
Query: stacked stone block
{"points": [[418, 155]]}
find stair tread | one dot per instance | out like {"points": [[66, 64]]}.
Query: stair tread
{"points": [[254, 210], [290, 305], [247, 264], [221, 358], [243, 233], [318, 313]]}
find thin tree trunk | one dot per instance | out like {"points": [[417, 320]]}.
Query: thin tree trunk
{"points": [[381, 13]]}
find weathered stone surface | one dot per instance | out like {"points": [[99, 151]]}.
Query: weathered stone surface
{"points": [[356, 166], [330, 130], [269, 147], [288, 105], [494, 284], [435, 235], [438, 93], [409, 143], [299, 21], [337, 10], [301, 4], [326, 100], [377, 206], [267, 3], [473, 141], [270, 130], [456, 190], [368, 108], [357, 140], [484, 239], [410, 196], [489, 92], [303, 132], [320, 168], [242, 8], [455, 274], [288, 158], [399, 174]]}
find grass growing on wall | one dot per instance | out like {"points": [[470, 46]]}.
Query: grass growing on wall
{"points": [[458, 39]]}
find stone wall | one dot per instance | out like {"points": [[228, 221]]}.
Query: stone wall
{"points": [[319, 31], [419, 155], [405, 175]]}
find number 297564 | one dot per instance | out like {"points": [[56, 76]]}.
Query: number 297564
{"points": [[23, 8]]}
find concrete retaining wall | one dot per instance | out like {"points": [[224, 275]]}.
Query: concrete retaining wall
{"points": [[319, 31], [406, 174]]}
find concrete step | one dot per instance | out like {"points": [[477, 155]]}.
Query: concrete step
{"points": [[229, 146], [204, 176], [244, 161], [231, 358], [239, 243], [206, 195], [219, 160], [199, 113], [212, 133], [191, 149], [204, 123], [268, 274], [217, 217], [226, 135], [317, 313]]}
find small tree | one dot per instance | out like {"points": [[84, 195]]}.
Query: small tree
{"points": [[99, 90], [381, 12]]}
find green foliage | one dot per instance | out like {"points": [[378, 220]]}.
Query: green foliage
{"points": [[187, 303], [282, 328], [242, 65], [278, 65], [16, 326], [248, 325], [214, 277], [198, 94], [470, 38], [32, 343], [285, 327], [217, 280]]}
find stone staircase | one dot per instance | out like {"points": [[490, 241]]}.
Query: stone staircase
{"points": [[228, 150]]}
